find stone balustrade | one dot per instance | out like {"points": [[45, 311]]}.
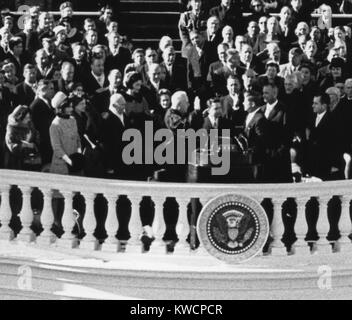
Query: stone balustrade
{"points": [[310, 237]]}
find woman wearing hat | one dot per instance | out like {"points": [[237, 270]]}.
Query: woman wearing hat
{"points": [[64, 136], [336, 74], [22, 140], [137, 108]]}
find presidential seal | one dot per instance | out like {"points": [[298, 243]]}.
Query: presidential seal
{"points": [[233, 228]]}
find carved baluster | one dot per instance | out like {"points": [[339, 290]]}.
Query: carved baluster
{"points": [[345, 224], [301, 227], [323, 226], [182, 227], [277, 228], [26, 216], [135, 225], [89, 222], [68, 239], [159, 227], [111, 224], [6, 232], [47, 219]]}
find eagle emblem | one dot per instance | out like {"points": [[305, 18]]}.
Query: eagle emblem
{"points": [[232, 229]]}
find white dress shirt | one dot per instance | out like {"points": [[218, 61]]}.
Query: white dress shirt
{"points": [[214, 122], [119, 115], [100, 79], [269, 108], [235, 99], [250, 116], [319, 117]]}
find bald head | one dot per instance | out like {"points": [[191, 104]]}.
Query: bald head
{"points": [[118, 102]]}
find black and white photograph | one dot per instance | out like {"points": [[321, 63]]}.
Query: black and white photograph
{"points": [[175, 154]]}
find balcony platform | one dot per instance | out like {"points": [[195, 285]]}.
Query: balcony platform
{"points": [[83, 274]]}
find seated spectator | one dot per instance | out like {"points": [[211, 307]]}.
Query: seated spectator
{"points": [[5, 37], [164, 42], [213, 32], [10, 76], [17, 55], [227, 36], [138, 64], [249, 60], [229, 13], [118, 56], [81, 64], [73, 35], [257, 10], [295, 56], [271, 36], [252, 36], [29, 36], [67, 75], [271, 76], [336, 74], [287, 35], [46, 23], [60, 41]]}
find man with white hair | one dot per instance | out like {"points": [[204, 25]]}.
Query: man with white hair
{"points": [[113, 127], [176, 115]]}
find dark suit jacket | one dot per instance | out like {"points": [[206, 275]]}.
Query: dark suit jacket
{"points": [[256, 133], [320, 148], [236, 117], [112, 132], [119, 61], [24, 94], [178, 79], [223, 123], [232, 17], [63, 86], [219, 79], [207, 58], [278, 166], [31, 42], [42, 117], [91, 85], [81, 70], [151, 94]]}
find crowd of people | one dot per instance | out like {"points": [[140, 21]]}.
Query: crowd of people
{"points": [[283, 82]]}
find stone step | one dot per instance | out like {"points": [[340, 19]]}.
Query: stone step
{"points": [[153, 5]]}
